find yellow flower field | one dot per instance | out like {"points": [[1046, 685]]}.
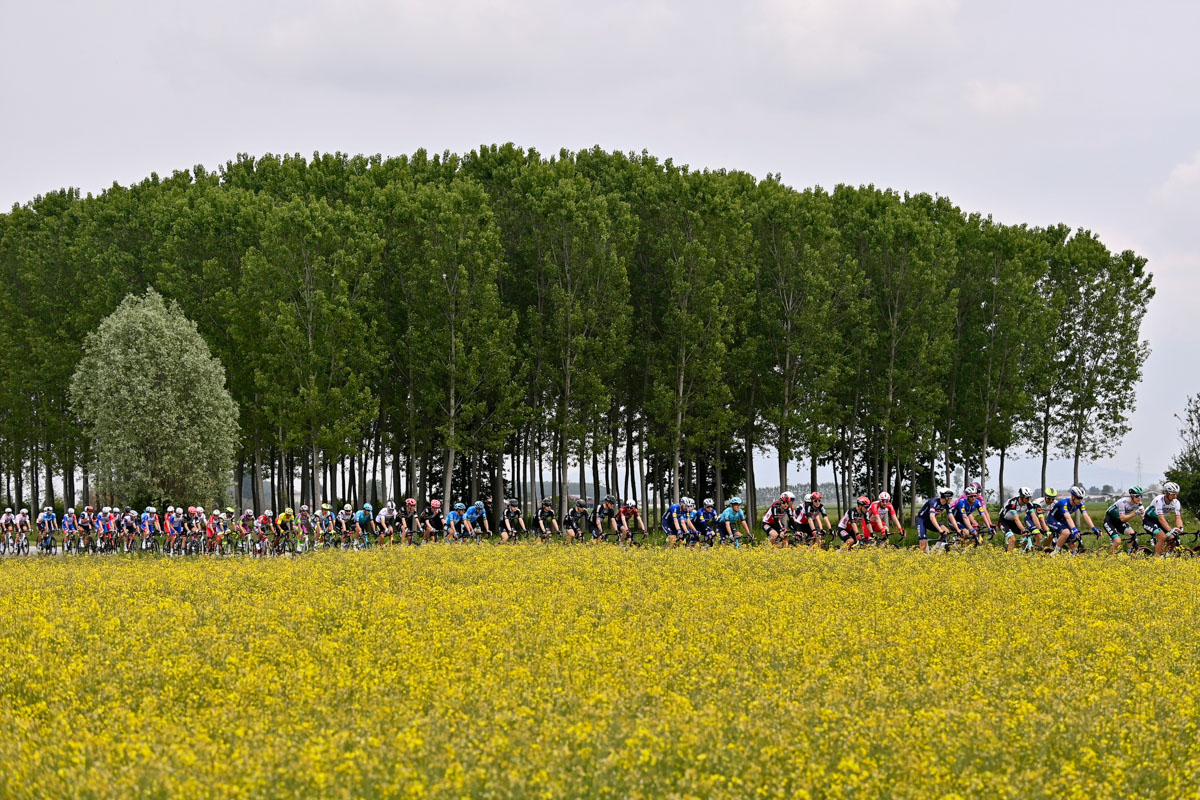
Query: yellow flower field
{"points": [[532, 671]]}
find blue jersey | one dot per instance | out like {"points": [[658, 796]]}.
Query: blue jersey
{"points": [[453, 518], [729, 515], [474, 515], [147, 523], [931, 509], [68, 523], [46, 519], [966, 508], [703, 517], [1058, 511], [674, 517]]}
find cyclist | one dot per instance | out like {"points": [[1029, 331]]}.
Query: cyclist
{"points": [[432, 521], [927, 518], [546, 523], [730, 519], [364, 524], [779, 520], [344, 523], [852, 527], [1116, 518], [1013, 515], [476, 521], [631, 522], [605, 516], [1061, 519], [87, 528], [704, 520], [676, 523], [410, 522], [575, 523], [70, 529], [385, 521], [456, 522], [977, 488], [511, 521], [1154, 522], [880, 516], [964, 511], [265, 525], [323, 523], [47, 524], [816, 518], [149, 525], [304, 525]]}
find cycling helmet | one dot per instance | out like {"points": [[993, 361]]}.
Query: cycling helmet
{"points": [[149, 510], [1025, 493], [580, 503], [88, 509], [632, 504], [975, 486], [303, 509], [884, 497], [247, 513], [268, 513], [479, 505], [687, 501], [8, 511], [347, 507], [410, 503], [191, 509], [326, 507], [512, 502], [460, 507], [708, 502], [391, 505], [368, 507], [70, 510], [1170, 487], [48, 508], [546, 501], [24, 510], [945, 493], [735, 501], [1077, 492], [199, 509], [170, 509], [1135, 490], [816, 497], [787, 497], [287, 511], [1051, 493], [863, 500], [435, 504]]}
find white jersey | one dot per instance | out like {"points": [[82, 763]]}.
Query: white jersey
{"points": [[1160, 507]]}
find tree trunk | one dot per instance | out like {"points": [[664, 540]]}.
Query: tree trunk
{"points": [[50, 477], [448, 467], [1045, 441], [720, 498], [583, 490], [256, 488], [751, 497], [596, 473], [1003, 451], [812, 470]]}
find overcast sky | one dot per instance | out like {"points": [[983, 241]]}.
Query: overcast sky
{"points": [[1038, 112]]}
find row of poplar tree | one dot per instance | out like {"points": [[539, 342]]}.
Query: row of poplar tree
{"points": [[425, 325]]}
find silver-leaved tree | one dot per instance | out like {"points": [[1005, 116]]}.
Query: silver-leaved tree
{"points": [[153, 400]]}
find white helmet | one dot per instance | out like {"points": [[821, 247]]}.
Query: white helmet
{"points": [[884, 497], [24, 510], [391, 505], [1077, 492], [106, 510], [1025, 493], [788, 496], [1171, 487], [347, 507], [808, 497], [199, 509], [687, 501], [71, 510], [170, 509], [151, 510], [48, 508]]}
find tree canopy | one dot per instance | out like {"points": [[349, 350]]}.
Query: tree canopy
{"points": [[478, 323]]}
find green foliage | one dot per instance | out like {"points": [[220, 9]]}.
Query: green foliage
{"points": [[589, 305], [153, 400], [1185, 466]]}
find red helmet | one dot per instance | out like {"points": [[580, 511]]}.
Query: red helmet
{"points": [[410, 502], [864, 501], [191, 509], [435, 504], [89, 509], [816, 496], [787, 497]]}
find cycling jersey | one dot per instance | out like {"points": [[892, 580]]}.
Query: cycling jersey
{"points": [[878, 509], [629, 515], [475, 516], [1057, 517], [1016, 507], [702, 518], [454, 518], [927, 517], [853, 516], [285, 520], [813, 510], [777, 516], [512, 518], [46, 520], [68, 522], [731, 517], [324, 521], [965, 509], [545, 516], [602, 514], [434, 519], [672, 521], [1155, 518], [576, 519]]}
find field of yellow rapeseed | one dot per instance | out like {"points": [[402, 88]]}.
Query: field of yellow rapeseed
{"points": [[561, 672]]}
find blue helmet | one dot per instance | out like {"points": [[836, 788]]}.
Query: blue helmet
{"points": [[459, 507], [735, 501], [479, 505], [367, 507]]}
